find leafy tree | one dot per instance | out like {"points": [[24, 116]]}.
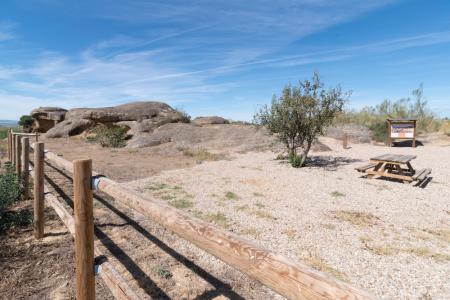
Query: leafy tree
{"points": [[301, 114], [26, 121]]}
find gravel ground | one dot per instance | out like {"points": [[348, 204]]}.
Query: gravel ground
{"points": [[390, 238]]}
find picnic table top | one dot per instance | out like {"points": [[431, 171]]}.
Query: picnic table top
{"points": [[395, 158]]}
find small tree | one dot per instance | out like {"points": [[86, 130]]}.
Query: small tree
{"points": [[26, 121], [301, 114]]}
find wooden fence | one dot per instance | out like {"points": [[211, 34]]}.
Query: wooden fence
{"points": [[286, 277]]}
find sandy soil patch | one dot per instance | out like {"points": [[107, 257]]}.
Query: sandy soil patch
{"points": [[384, 236]]}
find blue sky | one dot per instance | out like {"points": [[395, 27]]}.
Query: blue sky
{"points": [[218, 57]]}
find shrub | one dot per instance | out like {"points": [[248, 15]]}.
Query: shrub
{"points": [[3, 133], [295, 160], [374, 117], [185, 117], [114, 137], [9, 187], [10, 192], [26, 121], [301, 114], [12, 219]]}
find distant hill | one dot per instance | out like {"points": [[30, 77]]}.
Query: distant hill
{"points": [[8, 123]]}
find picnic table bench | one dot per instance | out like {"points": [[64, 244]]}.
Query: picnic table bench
{"points": [[393, 166]]}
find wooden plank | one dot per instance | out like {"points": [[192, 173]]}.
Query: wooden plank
{"points": [[391, 175], [422, 174], [18, 155], [365, 167], [394, 158], [418, 173], [9, 145], [288, 278], [84, 230]]}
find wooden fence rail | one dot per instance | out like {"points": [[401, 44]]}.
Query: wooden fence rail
{"points": [[113, 280], [288, 278]]}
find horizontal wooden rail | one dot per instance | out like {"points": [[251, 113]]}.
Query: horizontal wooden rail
{"points": [[113, 280], [24, 133], [288, 278]]}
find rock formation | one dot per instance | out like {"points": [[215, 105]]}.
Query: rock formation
{"points": [[47, 117], [209, 120]]}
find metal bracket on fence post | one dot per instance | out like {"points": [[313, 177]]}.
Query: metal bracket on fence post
{"points": [[96, 181], [98, 261]]}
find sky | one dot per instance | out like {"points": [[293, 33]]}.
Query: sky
{"points": [[219, 57]]}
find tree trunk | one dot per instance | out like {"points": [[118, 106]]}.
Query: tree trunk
{"points": [[305, 153]]}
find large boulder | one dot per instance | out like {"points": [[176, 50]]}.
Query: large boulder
{"points": [[69, 128], [136, 117], [47, 117], [209, 120]]}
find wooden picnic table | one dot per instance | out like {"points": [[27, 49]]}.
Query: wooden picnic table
{"points": [[394, 166]]}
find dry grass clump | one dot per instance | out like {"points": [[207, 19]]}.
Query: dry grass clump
{"points": [[251, 231], [382, 250], [256, 194], [289, 232], [328, 226], [320, 264], [263, 215], [202, 154], [173, 194], [216, 218], [426, 252], [441, 234], [259, 205], [356, 218], [337, 194], [242, 207], [231, 196]]}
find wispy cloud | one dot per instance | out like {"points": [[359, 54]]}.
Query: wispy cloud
{"points": [[185, 53], [6, 29]]}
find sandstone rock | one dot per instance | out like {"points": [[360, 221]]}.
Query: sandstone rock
{"points": [[68, 128], [134, 111], [137, 117], [182, 135], [47, 117], [210, 120]]}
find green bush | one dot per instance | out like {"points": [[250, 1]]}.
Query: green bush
{"points": [[3, 133], [301, 114], [26, 121], [9, 187], [295, 160], [114, 137], [13, 219], [374, 117], [10, 192]]}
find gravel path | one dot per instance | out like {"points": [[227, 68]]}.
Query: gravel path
{"points": [[390, 238]]}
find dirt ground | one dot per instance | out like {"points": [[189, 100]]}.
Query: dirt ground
{"points": [[39, 269], [340, 224]]}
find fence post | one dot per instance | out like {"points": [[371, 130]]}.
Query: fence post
{"points": [[17, 155], [38, 190], [345, 141], [26, 167], [9, 144], [84, 229], [13, 149]]}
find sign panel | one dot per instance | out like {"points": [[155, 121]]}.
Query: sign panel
{"points": [[402, 130]]}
